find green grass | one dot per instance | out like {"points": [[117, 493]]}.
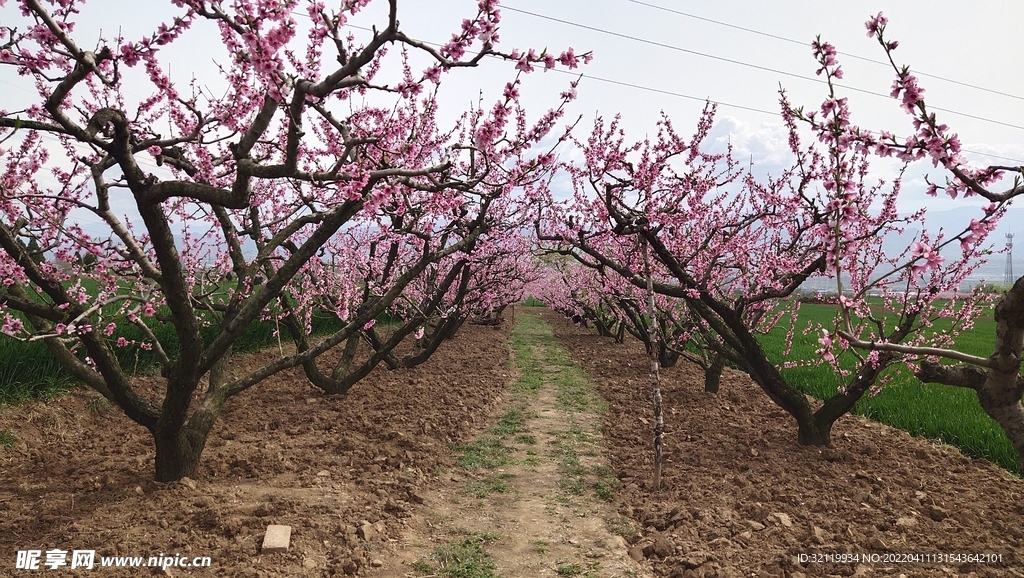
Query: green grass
{"points": [[538, 352], [623, 526], [485, 452], [422, 567], [946, 413], [574, 475], [489, 485], [7, 439], [98, 406], [604, 487], [511, 423], [464, 559], [575, 393], [603, 492], [569, 570], [29, 371]]}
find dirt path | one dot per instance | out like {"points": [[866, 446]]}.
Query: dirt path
{"points": [[531, 495], [366, 480]]}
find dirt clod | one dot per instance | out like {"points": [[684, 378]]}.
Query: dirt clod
{"points": [[90, 485], [860, 495]]}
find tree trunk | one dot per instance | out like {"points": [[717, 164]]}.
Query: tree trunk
{"points": [[652, 349], [752, 358], [1000, 388], [1003, 405], [814, 432], [659, 424], [175, 456], [667, 357], [713, 374], [180, 447]]}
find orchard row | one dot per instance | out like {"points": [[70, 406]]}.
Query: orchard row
{"points": [[311, 186]]}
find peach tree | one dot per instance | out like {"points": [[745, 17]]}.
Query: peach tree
{"points": [[307, 184], [735, 248]]}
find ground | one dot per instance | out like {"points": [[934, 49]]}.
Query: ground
{"points": [[383, 482]]}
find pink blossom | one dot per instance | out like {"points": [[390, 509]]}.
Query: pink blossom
{"points": [[524, 65], [129, 55], [923, 252], [826, 339], [568, 59], [433, 74], [369, 324], [875, 24], [12, 325]]}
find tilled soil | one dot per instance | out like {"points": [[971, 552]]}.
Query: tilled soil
{"points": [[343, 472], [742, 498]]}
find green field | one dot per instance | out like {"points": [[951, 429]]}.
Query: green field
{"points": [[28, 371], [950, 414]]}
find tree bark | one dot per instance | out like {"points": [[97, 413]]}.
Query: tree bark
{"points": [[179, 446], [713, 374], [1000, 388], [659, 423], [175, 457]]}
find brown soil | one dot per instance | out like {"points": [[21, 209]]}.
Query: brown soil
{"points": [[343, 472], [357, 479], [742, 498]]}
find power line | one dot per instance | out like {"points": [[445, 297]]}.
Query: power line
{"points": [[666, 92], [729, 105], [653, 89], [745, 64], [802, 43]]}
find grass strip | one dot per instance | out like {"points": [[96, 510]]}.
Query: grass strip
{"points": [[463, 559], [941, 412]]}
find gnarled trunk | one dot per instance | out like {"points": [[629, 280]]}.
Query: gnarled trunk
{"points": [[713, 374], [179, 446], [176, 458]]}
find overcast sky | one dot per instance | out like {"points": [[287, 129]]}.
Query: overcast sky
{"points": [[699, 50], [683, 51]]}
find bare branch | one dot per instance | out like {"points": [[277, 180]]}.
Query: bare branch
{"points": [[914, 350]]}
